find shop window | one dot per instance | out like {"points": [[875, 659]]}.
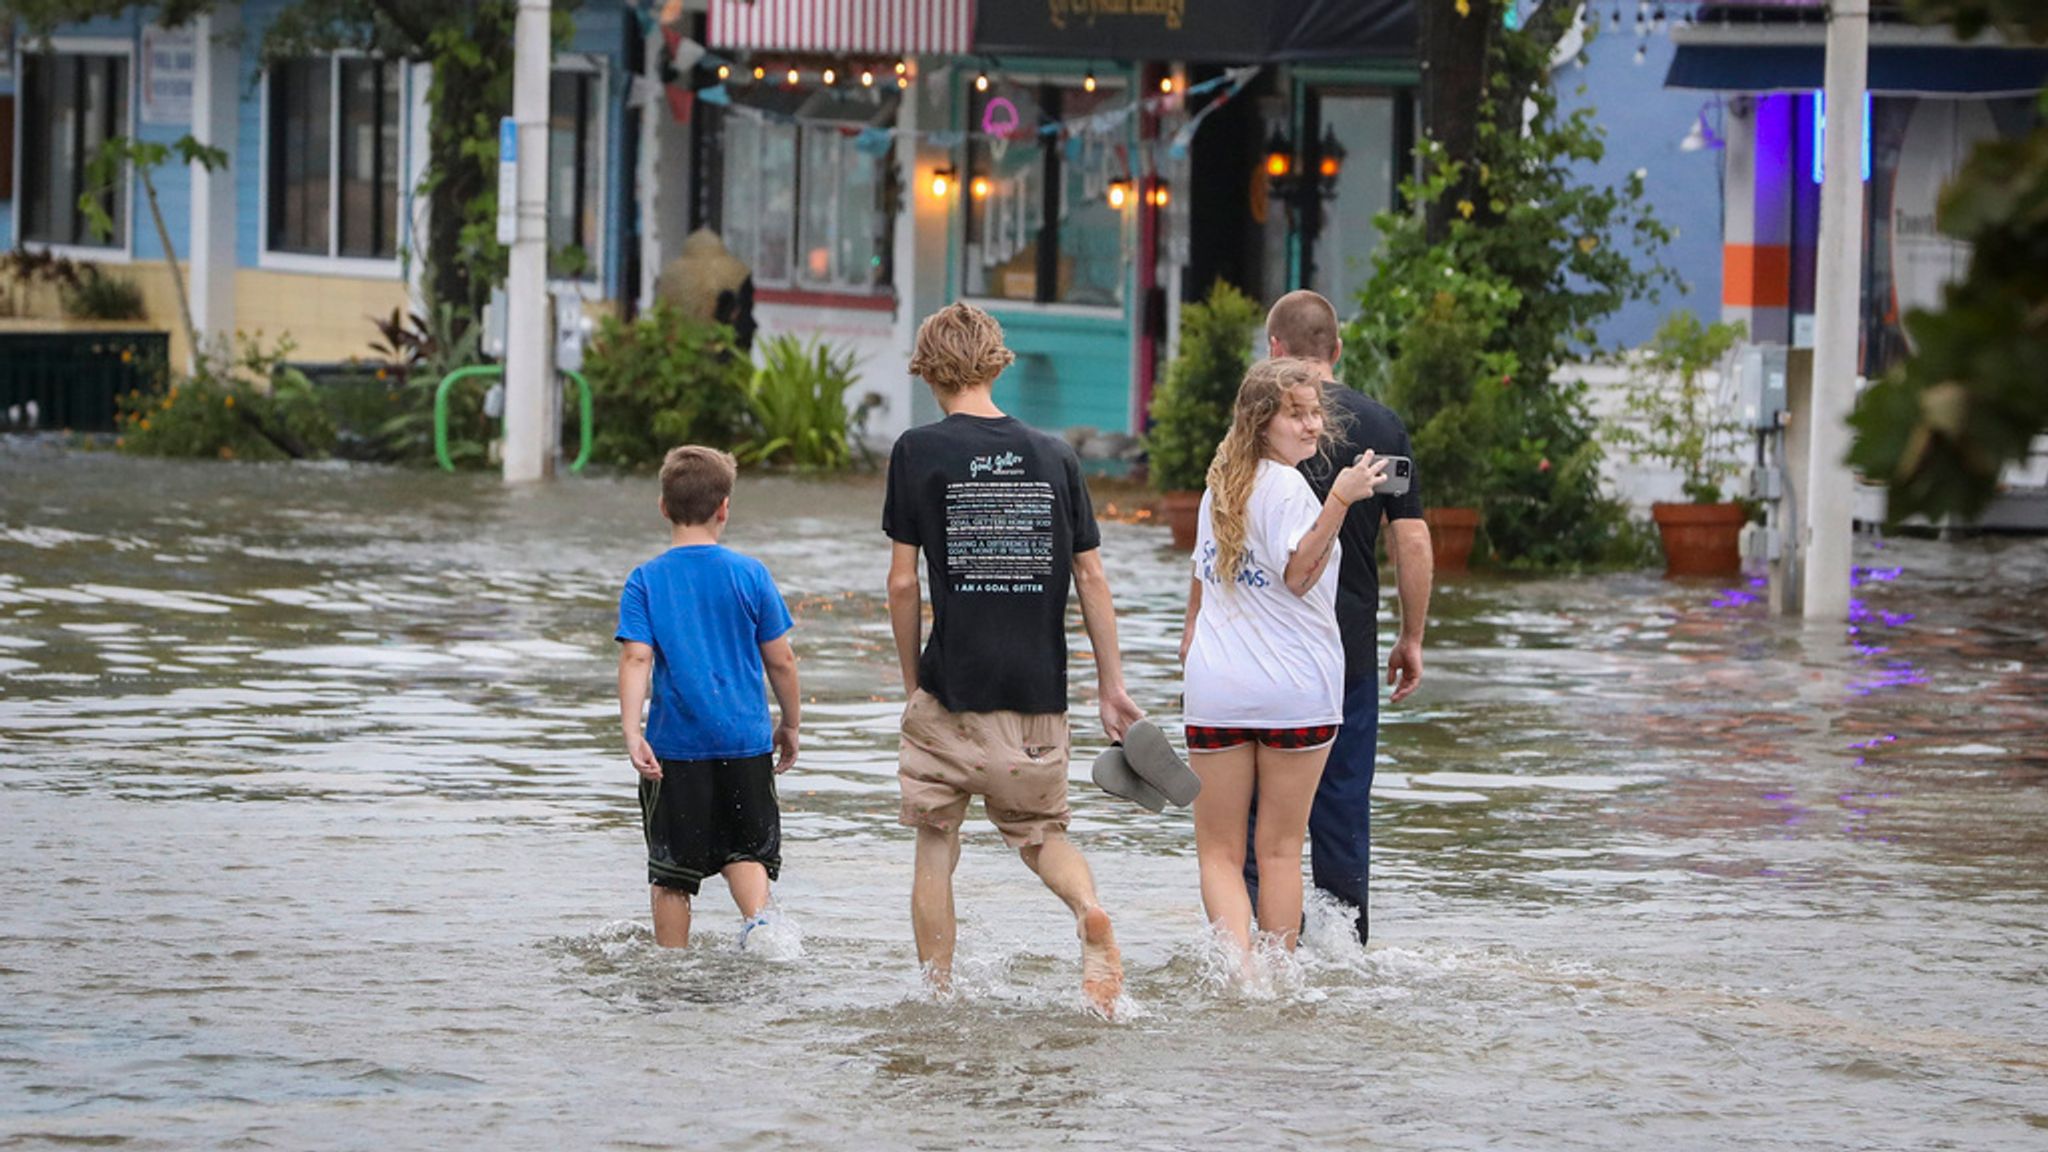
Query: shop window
{"points": [[1040, 227], [70, 105], [575, 173], [804, 207], [332, 158]]}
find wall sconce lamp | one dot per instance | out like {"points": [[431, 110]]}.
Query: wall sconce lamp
{"points": [[942, 181], [1119, 192]]}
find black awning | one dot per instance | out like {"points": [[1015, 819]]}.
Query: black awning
{"points": [[1918, 69], [1205, 31]]}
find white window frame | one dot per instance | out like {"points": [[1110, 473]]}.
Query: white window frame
{"points": [[796, 280], [334, 264], [124, 253], [999, 304], [592, 288]]}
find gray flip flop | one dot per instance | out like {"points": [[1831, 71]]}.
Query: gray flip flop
{"points": [[1150, 755], [1114, 776]]}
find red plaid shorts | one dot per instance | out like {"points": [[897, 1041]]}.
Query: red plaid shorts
{"points": [[1202, 738]]}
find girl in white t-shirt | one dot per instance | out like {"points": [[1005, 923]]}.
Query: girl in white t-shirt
{"points": [[1264, 662]]}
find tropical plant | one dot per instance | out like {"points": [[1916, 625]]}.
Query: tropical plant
{"points": [[1191, 409], [108, 169], [99, 296], [1673, 418], [419, 350], [1940, 429], [1534, 258], [798, 400], [661, 380], [1449, 389]]}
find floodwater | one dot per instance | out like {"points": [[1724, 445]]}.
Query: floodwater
{"points": [[317, 832]]}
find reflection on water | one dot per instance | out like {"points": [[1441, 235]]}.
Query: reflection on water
{"points": [[317, 834]]}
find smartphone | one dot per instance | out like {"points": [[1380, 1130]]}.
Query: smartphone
{"points": [[1400, 476]]}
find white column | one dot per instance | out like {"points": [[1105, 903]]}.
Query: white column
{"points": [[419, 146], [216, 108], [1830, 492], [530, 436]]}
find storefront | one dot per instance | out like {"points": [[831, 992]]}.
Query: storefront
{"points": [[1931, 99]]}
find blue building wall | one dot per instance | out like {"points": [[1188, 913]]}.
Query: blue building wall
{"points": [[1644, 122]]}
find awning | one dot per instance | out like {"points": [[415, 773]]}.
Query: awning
{"points": [[1909, 65], [1205, 31], [879, 27]]}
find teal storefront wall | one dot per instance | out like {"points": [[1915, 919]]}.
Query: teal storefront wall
{"points": [[1071, 371]]}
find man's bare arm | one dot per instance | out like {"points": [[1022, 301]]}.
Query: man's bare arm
{"points": [[1414, 571]]}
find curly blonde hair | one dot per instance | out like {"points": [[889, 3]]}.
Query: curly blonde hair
{"points": [[1235, 468], [959, 346]]}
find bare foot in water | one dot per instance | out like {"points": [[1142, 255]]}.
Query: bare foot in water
{"points": [[1102, 966]]}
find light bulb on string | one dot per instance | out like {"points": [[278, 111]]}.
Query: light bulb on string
{"points": [[867, 78], [760, 73], [980, 187], [981, 82], [724, 71], [903, 81], [1166, 85], [829, 76], [791, 77], [1088, 81]]}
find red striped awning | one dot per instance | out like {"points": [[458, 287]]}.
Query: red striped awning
{"points": [[882, 27]]}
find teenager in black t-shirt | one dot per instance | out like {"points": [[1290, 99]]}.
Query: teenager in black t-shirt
{"points": [[1003, 519]]}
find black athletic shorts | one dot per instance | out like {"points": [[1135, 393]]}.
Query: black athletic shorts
{"points": [[705, 814]]}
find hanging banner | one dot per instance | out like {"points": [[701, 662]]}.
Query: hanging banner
{"points": [[170, 67]]}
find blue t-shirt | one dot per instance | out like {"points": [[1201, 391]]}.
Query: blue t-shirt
{"points": [[706, 610]]}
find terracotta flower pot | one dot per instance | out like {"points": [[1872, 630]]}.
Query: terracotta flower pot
{"points": [[1450, 536], [1181, 510], [1700, 539]]}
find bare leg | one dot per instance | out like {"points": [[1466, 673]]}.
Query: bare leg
{"points": [[749, 884], [1065, 871], [1220, 833], [931, 903], [1287, 789], [671, 916]]}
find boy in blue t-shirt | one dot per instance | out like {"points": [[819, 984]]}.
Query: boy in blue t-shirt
{"points": [[707, 622]]}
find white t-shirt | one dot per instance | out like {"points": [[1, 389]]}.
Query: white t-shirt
{"points": [[1262, 656]]}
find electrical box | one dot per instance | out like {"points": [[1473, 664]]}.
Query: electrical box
{"points": [[1760, 373]]}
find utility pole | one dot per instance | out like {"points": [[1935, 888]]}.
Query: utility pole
{"points": [[530, 432], [1830, 489]]}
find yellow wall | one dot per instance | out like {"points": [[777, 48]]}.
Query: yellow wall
{"points": [[329, 317]]}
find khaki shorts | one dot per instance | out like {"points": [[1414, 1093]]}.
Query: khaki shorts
{"points": [[1017, 764]]}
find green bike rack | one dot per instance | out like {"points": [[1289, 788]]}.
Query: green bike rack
{"points": [[496, 371]]}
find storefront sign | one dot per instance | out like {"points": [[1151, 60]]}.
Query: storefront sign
{"points": [[1214, 31], [170, 65]]}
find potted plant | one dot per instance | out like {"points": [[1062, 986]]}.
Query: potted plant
{"points": [[1191, 410], [1674, 419]]}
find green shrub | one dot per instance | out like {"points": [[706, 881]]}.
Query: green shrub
{"points": [[662, 380], [241, 404], [1679, 422], [1191, 409], [798, 400], [98, 296]]}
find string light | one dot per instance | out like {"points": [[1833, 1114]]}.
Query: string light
{"points": [[760, 72], [901, 67], [981, 82], [1166, 85], [791, 77], [867, 78], [829, 76], [724, 71], [1159, 197], [903, 81], [979, 187]]}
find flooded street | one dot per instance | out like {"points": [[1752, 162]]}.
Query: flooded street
{"points": [[316, 831]]}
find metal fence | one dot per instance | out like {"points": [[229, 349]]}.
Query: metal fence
{"points": [[74, 378]]}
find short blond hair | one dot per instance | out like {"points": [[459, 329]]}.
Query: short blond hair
{"points": [[695, 480], [960, 346], [1305, 325]]}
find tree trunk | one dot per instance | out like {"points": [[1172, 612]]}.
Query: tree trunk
{"points": [[1453, 50], [469, 95]]}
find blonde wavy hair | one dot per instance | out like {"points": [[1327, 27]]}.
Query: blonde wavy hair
{"points": [[1235, 467], [959, 346]]}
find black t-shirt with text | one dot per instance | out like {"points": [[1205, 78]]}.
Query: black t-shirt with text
{"points": [[999, 509], [1362, 423]]}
